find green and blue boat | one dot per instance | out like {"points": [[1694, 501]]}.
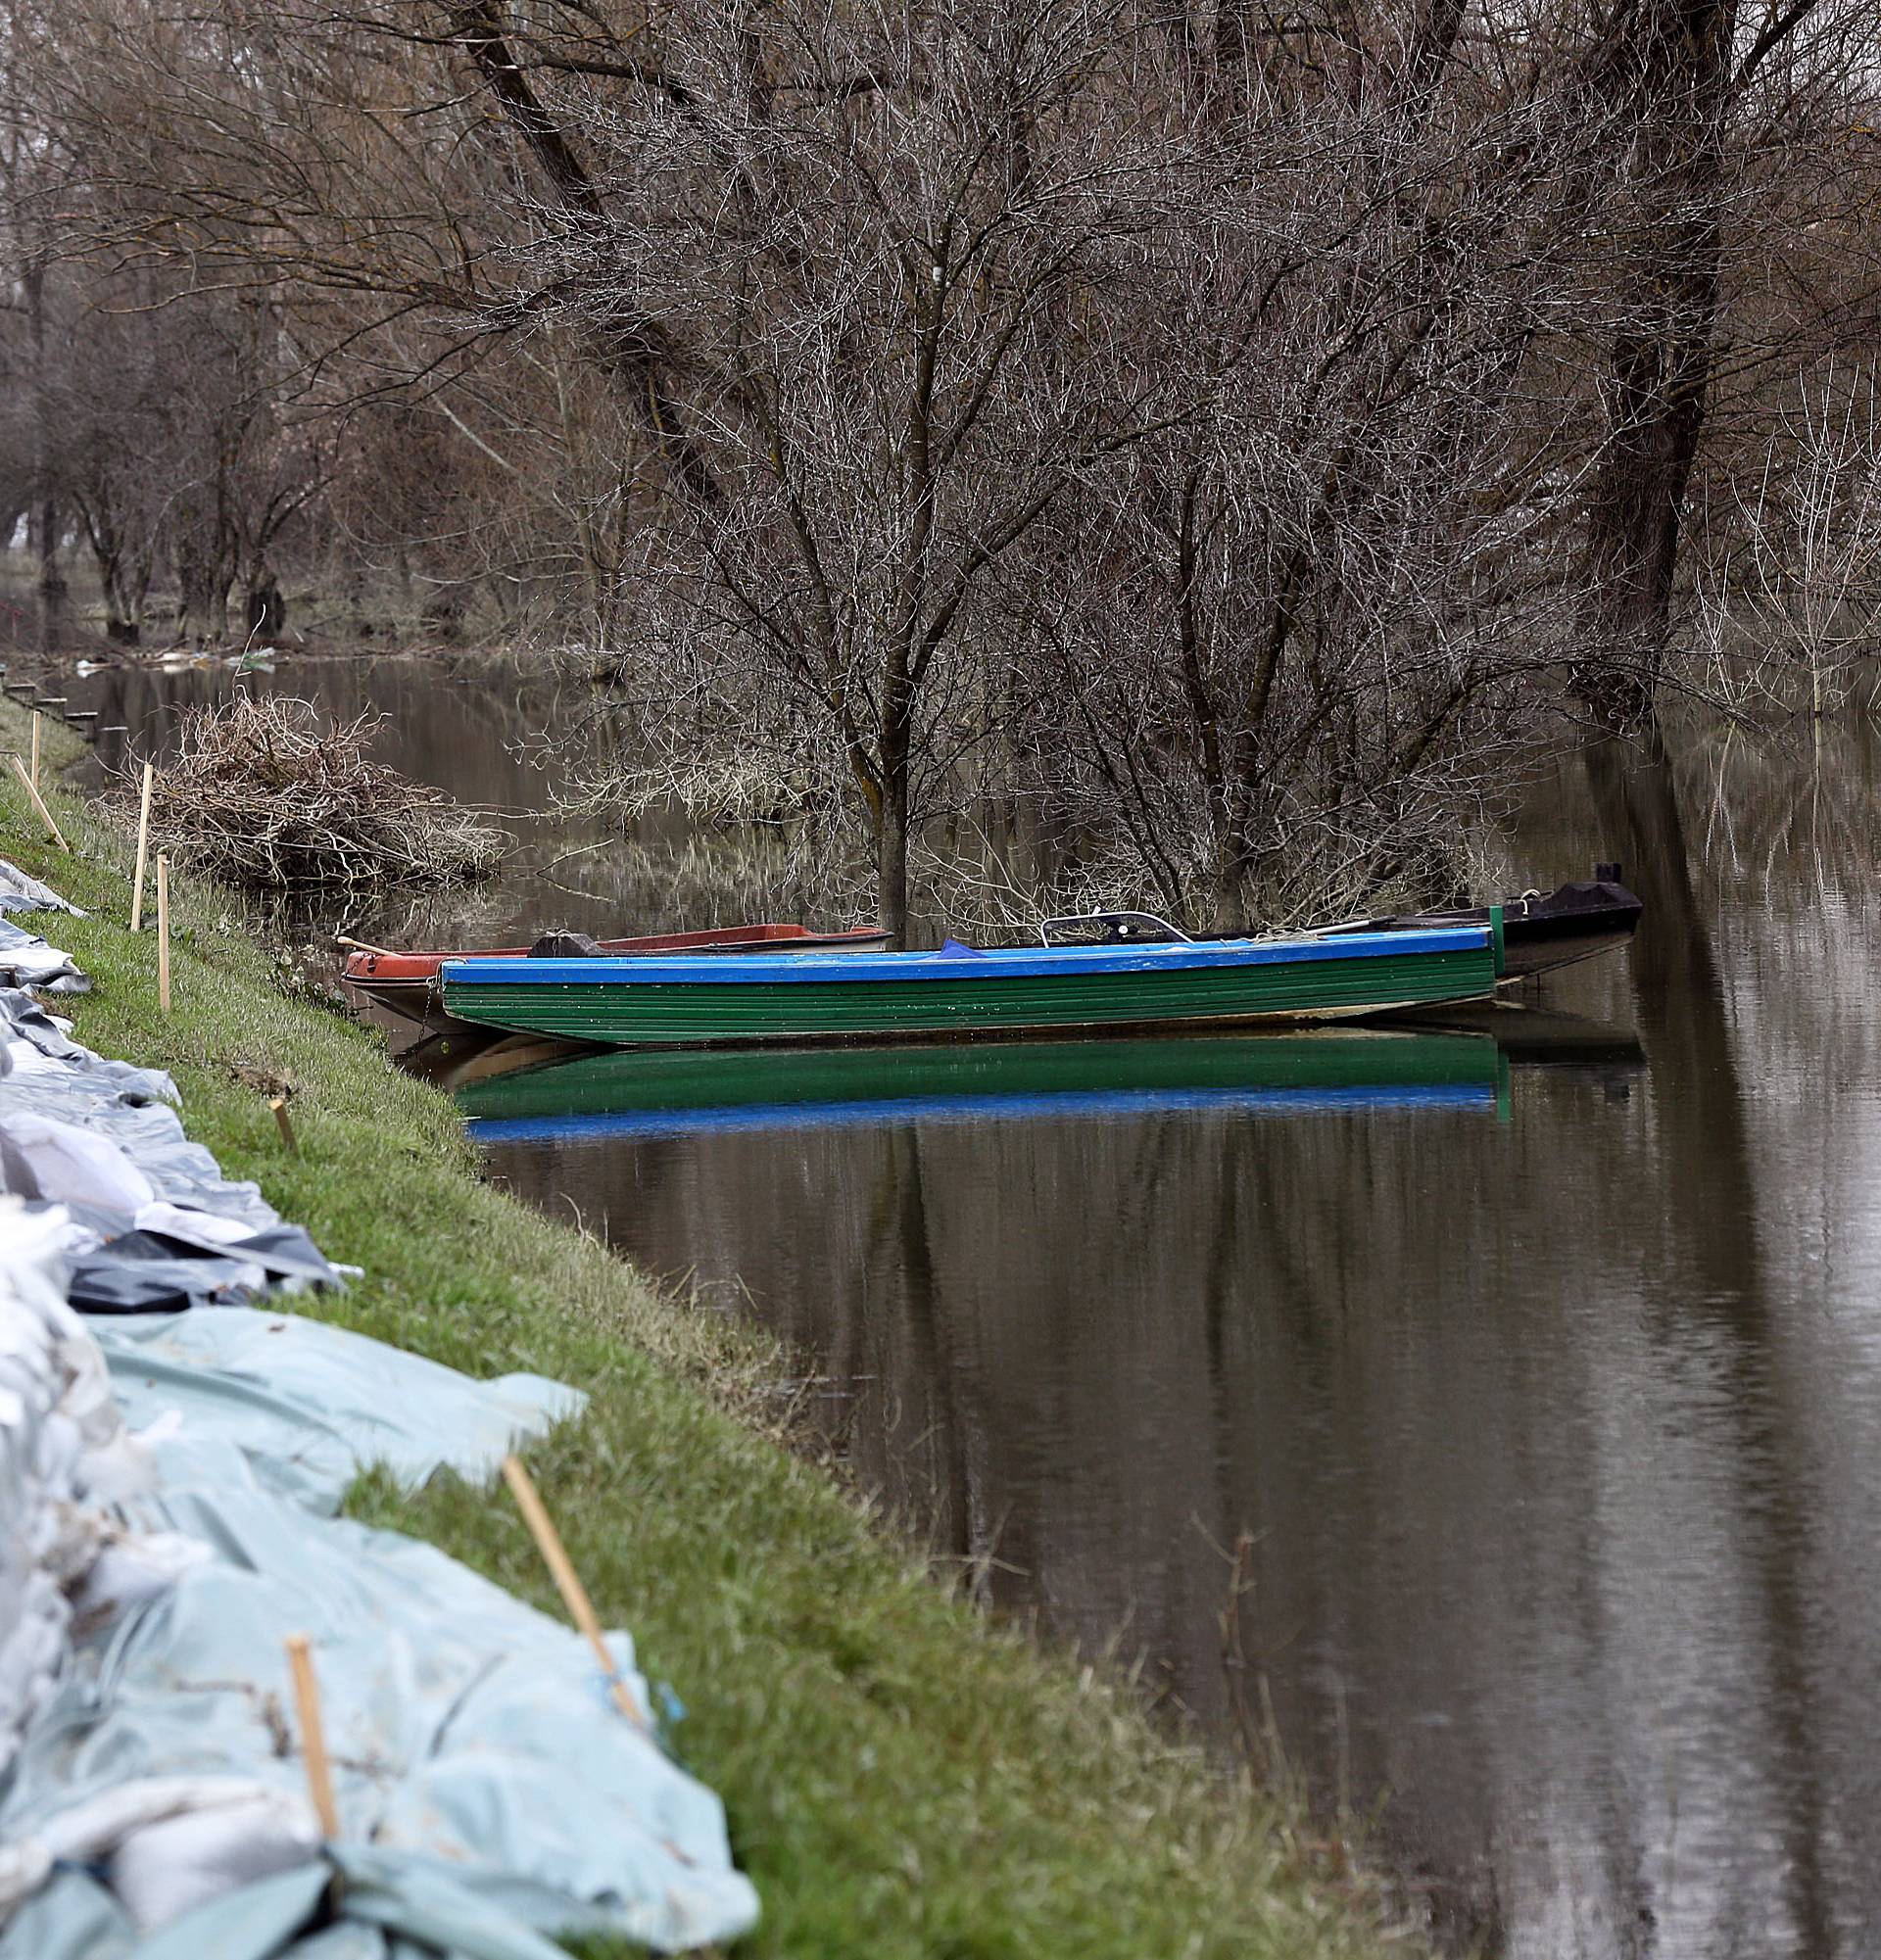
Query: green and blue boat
{"points": [[961, 993]]}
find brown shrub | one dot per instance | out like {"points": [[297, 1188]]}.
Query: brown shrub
{"points": [[266, 793]]}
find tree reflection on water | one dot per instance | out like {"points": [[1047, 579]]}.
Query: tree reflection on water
{"points": [[1555, 1438]]}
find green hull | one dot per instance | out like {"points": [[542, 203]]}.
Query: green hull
{"points": [[601, 1085], [652, 1013]]}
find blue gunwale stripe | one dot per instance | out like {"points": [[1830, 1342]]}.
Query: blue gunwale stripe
{"points": [[1002, 963]]}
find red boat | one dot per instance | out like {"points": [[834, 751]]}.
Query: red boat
{"points": [[407, 983]]}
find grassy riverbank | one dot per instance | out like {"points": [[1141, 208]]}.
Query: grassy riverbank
{"points": [[902, 1779]]}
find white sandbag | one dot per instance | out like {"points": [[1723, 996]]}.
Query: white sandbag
{"points": [[64, 1453], [36, 964], [34, 1323], [20, 890], [186, 1221], [31, 1654], [26, 1058], [129, 1570], [42, 1157], [169, 1868], [170, 1844]]}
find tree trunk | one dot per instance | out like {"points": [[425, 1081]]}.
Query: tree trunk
{"points": [[1678, 54], [204, 590], [635, 349], [891, 868], [1231, 896], [442, 615], [891, 830], [45, 527], [1658, 386], [121, 610], [266, 608], [44, 521], [123, 605]]}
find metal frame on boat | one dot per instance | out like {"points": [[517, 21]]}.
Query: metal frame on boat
{"points": [[1542, 931]]}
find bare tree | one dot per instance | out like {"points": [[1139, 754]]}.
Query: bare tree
{"points": [[1314, 631], [1790, 608], [900, 256], [1705, 93]]}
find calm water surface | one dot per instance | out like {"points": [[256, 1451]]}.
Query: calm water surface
{"points": [[1553, 1413], [1543, 1378]]}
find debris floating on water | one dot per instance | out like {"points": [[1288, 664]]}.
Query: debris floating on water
{"points": [[266, 793]]}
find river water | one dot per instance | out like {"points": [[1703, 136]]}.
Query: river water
{"points": [[1537, 1379]]}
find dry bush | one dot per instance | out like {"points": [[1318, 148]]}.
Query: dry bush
{"points": [[266, 793]]}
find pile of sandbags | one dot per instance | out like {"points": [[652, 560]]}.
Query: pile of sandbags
{"points": [[67, 1467], [55, 1403], [168, 1490], [153, 1793], [152, 1220]]}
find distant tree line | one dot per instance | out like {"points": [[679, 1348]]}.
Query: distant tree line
{"points": [[1237, 433]]}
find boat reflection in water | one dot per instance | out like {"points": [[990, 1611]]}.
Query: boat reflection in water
{"points": [[631, 1094], [626, 1093], [1087, 1311]]}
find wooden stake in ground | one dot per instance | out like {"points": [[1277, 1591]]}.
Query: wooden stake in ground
{"points": [[162, 931], [143, 851], [306, 1711], [35, 752], [278, 1104], [39, 803], [574, 1596]]}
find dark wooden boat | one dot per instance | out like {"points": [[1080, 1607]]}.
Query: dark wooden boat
{"points": [[1540, 931], [407, 983]]}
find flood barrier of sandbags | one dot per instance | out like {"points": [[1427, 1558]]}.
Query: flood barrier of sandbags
{"points": [[150, 1220], [168, 1490]]}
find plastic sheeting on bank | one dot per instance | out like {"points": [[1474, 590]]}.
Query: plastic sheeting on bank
{"points": [[309, 1406], [27, 960], [156, 1223], [157, 1546], [21, 891]]}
